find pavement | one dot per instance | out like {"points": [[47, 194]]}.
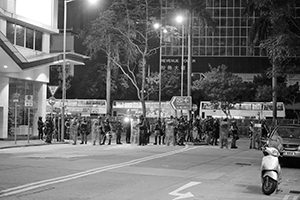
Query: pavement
{"points": [[10, 143]]}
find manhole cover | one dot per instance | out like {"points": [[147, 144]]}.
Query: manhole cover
{"points": [[247, 164]]}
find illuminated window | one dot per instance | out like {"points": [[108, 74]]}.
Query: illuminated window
{"points": [[29, 38], [24, 36]]}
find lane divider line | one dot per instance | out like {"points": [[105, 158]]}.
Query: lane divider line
{"points": [[35, 185]]}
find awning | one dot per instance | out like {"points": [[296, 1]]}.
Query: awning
{"points": [[15, 61]]}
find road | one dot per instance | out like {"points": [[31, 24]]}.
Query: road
{"points": [[131, 172]]}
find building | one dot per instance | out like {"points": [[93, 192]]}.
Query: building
{"points": [[26, 28], [227, 44]]}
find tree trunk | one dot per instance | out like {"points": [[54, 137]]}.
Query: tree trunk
{"points": [[274, 88], [143, 86], [108, 84]]}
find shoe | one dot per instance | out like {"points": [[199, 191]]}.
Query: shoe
{"points": [[154, 143], [74, 143], [81, 142]]}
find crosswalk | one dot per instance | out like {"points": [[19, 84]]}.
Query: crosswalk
{"points": [[291, 197]]}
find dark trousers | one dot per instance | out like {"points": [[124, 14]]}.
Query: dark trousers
{"points": [[41, 134], [142, 139], [128, 134], [118, 137]]}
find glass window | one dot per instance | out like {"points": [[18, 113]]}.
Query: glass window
{"points": [[229, 32], [229, 41], [195, 41], [237, 22], [223, 32], [222, 51], [222, 42], [20, 35], [237, 3], [223, 12], [216, 13], [243, 51], [209, 41], [202, 41], [236, 31], [237, 12], [195, 51], [236, 42], [216, 42], [223, 3], [175, 51], [202, 51], [168, 51], [10, 32], [230, 3], [243, 42], [229, 51], [236, 51], [216, 51], [29, 38], [209, 51], [230, 12]]}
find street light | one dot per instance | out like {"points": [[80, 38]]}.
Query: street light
{"points": [[161, 30], [64, 94], [180, 19]]}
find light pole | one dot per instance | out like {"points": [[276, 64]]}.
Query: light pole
{"points": [[189, 68], [161, 31], [179, 19], [64, 92]]}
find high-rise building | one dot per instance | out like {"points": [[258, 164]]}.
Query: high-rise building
{"points": [[226, 44]]}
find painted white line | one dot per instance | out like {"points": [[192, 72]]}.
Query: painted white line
{"points": [[286, 197], [184, 195], [295, 197], [35, 185]]}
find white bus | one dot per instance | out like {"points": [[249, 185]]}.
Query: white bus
{"points": [[257, 110]]}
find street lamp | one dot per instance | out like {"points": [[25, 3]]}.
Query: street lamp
{"points": [[161, 31], [64, 94], [180, 19]]}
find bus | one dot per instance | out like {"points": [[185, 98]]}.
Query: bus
{"points": [[134, 108], [85, 107], [243, 110]]}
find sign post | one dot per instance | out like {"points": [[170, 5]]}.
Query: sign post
{"points": [[181, 102], [16, 100], [28, 103]]}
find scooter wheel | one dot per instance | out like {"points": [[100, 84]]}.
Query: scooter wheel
{"points": [[269, 185]]}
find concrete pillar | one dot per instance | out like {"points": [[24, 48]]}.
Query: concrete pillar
{"points": [[4, 103]]}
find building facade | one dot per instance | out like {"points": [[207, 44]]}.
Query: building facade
{"points": [[226, 44], [25, 42]]}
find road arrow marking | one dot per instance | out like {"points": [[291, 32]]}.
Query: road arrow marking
{"points": [[184, 195]]}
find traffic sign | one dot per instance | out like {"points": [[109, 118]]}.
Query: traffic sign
{"points": [[16, 97], [51, 101], [52, 89], [194, 107], [28, 100], [181, 102]]}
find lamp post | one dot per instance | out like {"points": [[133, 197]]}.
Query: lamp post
{"points": [[64, 93], [179, 19], [189, 68], [158, 26]]}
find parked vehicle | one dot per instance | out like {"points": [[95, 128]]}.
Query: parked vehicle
{"points": [[270, 170], [290, 136]]}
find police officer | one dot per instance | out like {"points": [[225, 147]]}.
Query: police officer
{"points": [[49, 126], [119, 130], [107, 131]]}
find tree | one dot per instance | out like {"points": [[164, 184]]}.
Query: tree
{"points": [[291, 96], [123, 32], [222, 87], [276, 31]]}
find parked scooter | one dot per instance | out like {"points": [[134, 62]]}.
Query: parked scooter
{"points": [[270, 170]]}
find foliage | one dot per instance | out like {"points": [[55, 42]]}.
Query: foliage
{"points": [[221, 87]]}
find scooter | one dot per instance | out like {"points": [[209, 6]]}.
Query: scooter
{"points": [[270, 170]]}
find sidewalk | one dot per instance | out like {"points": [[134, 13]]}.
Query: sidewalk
{"points": [[4, 144], [243, 142]]}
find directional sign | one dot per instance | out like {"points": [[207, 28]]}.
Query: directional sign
{"points": [[51, 101], [28, 100], [181, 102], [52, 89]]}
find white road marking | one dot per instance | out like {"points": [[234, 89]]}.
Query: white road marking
{"points": [[184, 195], [35, 185]]}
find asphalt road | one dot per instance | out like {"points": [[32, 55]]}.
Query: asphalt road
{"points": [[131, 172]]}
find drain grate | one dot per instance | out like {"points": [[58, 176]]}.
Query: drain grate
{"points": [[295, 191], [243, 164]]}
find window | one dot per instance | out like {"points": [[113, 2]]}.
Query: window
{"points": [[24, 36], [10, 32], [38, 40], [29, 38], [20, 35]]}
